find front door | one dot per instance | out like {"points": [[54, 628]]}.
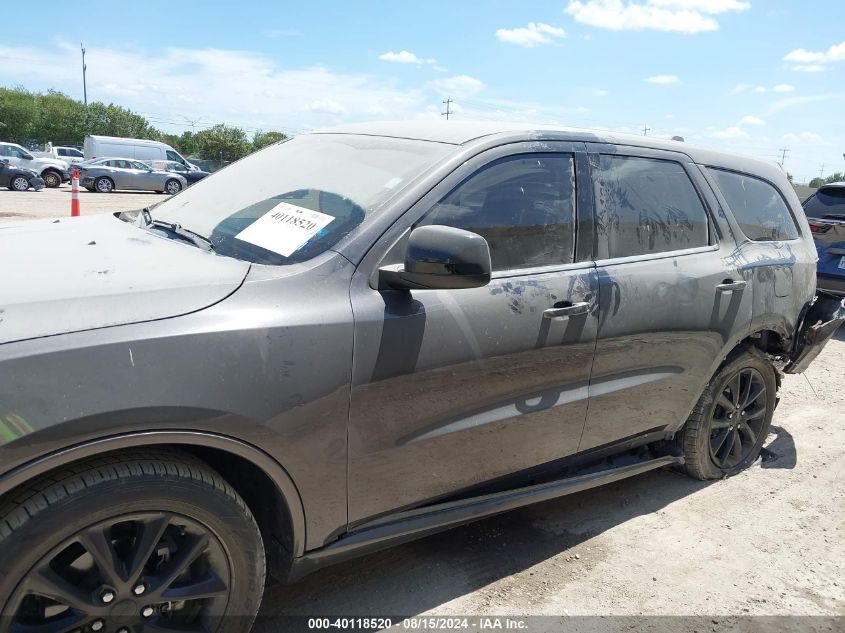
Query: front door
{"points": [[671, 295], [455, 388]]}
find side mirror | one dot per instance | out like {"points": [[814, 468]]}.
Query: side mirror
{"points": [[441, 257], [27, 156]]}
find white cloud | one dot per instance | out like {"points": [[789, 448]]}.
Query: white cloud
{"points": [[683, 16], [751, 120], [737, 89], [236, 87], [535, 34], [740, 88], [809, 68], [663, 79], [814, 61], [601, 93], [791, 102], [783, 88], [803, 137], [459, 86], [731, 133], [326, 106], [760, 89], [405, 57]]}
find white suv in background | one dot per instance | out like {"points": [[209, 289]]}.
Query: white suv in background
{"points": [[52, 170]]}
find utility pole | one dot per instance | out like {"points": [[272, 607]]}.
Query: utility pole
{"points": [[821, 171], [193, 123], [646, 129], [448, 101], [84, 83], [783, 152]]}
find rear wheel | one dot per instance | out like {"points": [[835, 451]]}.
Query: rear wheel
{"points": [[173, 186], [154, 541], [19, 183], [729, 424], [104, 185], [52, 178]]}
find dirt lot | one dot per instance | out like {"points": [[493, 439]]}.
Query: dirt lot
{"points": [[770, 541], [52, 203]]}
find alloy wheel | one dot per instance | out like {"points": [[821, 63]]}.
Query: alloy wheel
{"points": [[151, 571], [738, 418], [20, 183]]}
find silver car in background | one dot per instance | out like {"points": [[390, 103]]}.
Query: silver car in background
{"points": [[105, 175]]}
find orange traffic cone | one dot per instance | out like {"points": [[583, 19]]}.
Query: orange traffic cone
{"points": [[74, 193]]}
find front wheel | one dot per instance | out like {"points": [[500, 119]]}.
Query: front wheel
{"points": [[727, 428], [19, 183], [145, 541], [52, 179]]}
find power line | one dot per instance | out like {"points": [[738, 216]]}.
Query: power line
{"points": [[448, 102]]}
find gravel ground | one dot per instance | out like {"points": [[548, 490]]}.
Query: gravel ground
{"points": [[770, 541], [53, 203]]}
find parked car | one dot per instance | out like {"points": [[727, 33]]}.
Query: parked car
{"points": [[66, 153], [18, 179], [191, 175], [138, 149], [825, 210], [53, 171], [111, 174], [392, 330]]}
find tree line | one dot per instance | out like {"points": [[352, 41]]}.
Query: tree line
{"points": [[818, 181], [41, 117]]}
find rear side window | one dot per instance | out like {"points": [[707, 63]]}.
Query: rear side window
{"points": [[757, 206], [646, 205], [826, 202], [524, 206]]}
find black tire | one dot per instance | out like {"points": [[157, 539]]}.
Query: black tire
{"points": [[57, 524], [103, 184], [19, 183], [719, 440], [52, 178], [91, 189], [173, 186]]}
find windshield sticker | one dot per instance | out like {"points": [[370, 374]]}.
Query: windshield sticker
{"points": [[285, 228]]}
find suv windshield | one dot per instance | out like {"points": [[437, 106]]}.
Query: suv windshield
{"points": [[296, 199]]}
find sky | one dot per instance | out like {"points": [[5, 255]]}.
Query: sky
{"points": [[753, 76]]}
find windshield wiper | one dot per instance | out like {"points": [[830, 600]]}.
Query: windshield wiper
{"points": [[145, 220]]}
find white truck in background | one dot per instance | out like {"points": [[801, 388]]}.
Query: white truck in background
{"points": [[61, 152], [52, 170], [139, 149]]}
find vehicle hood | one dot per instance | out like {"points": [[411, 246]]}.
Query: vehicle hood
{"points": [[77, 274], [51, 162]]}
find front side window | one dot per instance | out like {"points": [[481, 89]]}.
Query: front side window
{"points": [[171, 155], [524, 206], [757, 206], [644, 206]]}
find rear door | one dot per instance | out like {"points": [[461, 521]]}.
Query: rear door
{"points": [[670, 293], [825, 211], [456, 388]]}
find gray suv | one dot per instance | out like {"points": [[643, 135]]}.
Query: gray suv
{"points": [[393, 330]]}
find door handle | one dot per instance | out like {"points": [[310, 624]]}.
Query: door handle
{"points": [[731, 286], [567, 311]]}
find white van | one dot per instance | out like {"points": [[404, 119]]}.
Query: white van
{"points": [[139, 149]]}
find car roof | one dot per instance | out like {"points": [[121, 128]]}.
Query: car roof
{"points": [[457, 132], [833, 185]]}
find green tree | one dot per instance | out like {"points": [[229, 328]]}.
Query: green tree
{"points": [[60, 119], [817, 182], [263, 139], [222, 142], [114, 120], [18, 114]]}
